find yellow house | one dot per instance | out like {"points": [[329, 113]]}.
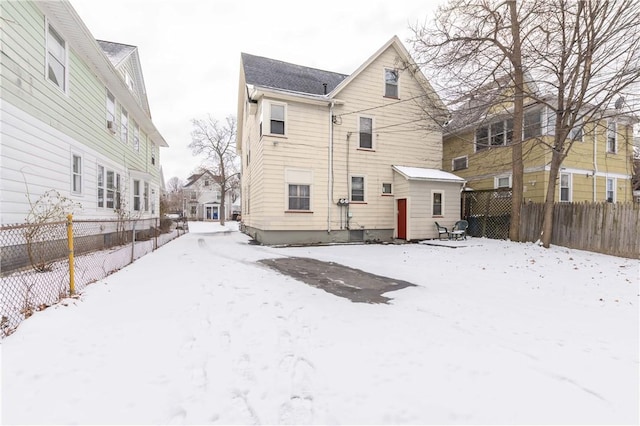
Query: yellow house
{"points": [[330, 157], [598, 168]]}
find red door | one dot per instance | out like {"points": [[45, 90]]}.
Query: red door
{"points": [[402, 219]]}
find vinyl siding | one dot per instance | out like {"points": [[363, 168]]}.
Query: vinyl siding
{"points": [[485, 165], [398, 140], [42, 124]]}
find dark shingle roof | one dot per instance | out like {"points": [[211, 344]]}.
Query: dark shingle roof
{"points": [[267, 72], [116, 52]]}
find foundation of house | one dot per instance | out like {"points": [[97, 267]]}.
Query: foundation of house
{"points": [[308, 237]]}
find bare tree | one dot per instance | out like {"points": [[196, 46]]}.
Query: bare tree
{"points": [[175, 187], [589, 61], [478, 45], [582, 56], [217, 142]]}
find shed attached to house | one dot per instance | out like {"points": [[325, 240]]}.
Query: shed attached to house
{"points": [[424, 196]]}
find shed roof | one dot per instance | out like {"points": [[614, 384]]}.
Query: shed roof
{"points": [[419, 173]]}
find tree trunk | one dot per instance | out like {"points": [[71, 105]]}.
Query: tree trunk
{"points": [[517, 167], [547, 221], [221, 213]]}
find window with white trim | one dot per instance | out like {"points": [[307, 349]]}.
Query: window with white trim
{"points": [[357, 188], [532, 124], [611, 190], [136, 136], [565, 187], [137, 196], [437, 203], [387, 189], [612, 131], [57, 59], [128, 80], [460, 163], [576, 131], [76, 174], [277, 113], [145, 195], [502, 182], [153, 201], [391, 78], [113, 189], [111, 112], [124, 126], [299, 197], [100, 186], [365, 132]]}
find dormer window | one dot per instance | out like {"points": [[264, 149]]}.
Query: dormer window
{"points": [[391, 77]]}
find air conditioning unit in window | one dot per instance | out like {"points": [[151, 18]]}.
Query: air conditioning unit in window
{"points": [[111, 126]]}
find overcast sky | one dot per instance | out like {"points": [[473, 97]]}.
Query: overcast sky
{"points": [[190, 49]]}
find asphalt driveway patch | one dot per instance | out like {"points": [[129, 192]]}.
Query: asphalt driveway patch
{"points": [[340, 280]]}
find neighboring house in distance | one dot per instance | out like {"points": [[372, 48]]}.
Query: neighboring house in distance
{"points": [[598, 167], [329, 157], [74, 117], [202, 197]]}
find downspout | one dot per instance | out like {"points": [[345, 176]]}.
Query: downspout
{"points": [[595, 161], [330, 169]]}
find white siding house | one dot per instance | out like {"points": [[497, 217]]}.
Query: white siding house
{"points": [[322, 151], [74, 117]]}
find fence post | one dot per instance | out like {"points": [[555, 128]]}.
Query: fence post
{"points": [[133, 240], [72, 284], [156, 231]]}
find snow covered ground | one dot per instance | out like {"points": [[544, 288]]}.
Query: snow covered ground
{"points": [[197, 332]]}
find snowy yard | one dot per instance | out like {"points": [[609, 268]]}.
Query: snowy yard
{"points": [[198, 332]]}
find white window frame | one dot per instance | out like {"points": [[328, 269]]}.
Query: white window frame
{"points": [[364, 189], [145, 196], [610, 182], [76, 173], [153, 154], [51, 33], [284, 120], [114, 189], [577, 132], [111, 112], [136, 136], [101, 187], [124, 126], [433, 202], [153, 200], [390, 186], [466, 163], [387, 84], [372, 121], [527, 132], [568, 187], [612, 137], [298, 196], [137, 196], [497, 179]]}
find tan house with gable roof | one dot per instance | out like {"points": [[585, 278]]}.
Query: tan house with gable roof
{"points": [[330, 157]]}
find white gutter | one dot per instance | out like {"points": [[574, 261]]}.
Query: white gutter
{"points": [[330, 169]]}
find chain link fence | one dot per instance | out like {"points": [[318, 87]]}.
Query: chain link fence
{"points": [[35, 259], [488, 212]]}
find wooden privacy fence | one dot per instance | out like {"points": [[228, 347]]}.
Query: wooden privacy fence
{"points": [[609, 228]]}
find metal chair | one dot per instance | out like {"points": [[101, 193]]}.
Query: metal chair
{"points": [[459, 230], [442, 231]]}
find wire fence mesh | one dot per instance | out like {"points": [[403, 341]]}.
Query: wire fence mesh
{"points": [[35, 259]]}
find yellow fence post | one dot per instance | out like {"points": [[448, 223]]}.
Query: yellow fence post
{"points": [[72, 284]]}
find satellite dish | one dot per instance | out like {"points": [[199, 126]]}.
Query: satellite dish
{"points": [[619, 102]]}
